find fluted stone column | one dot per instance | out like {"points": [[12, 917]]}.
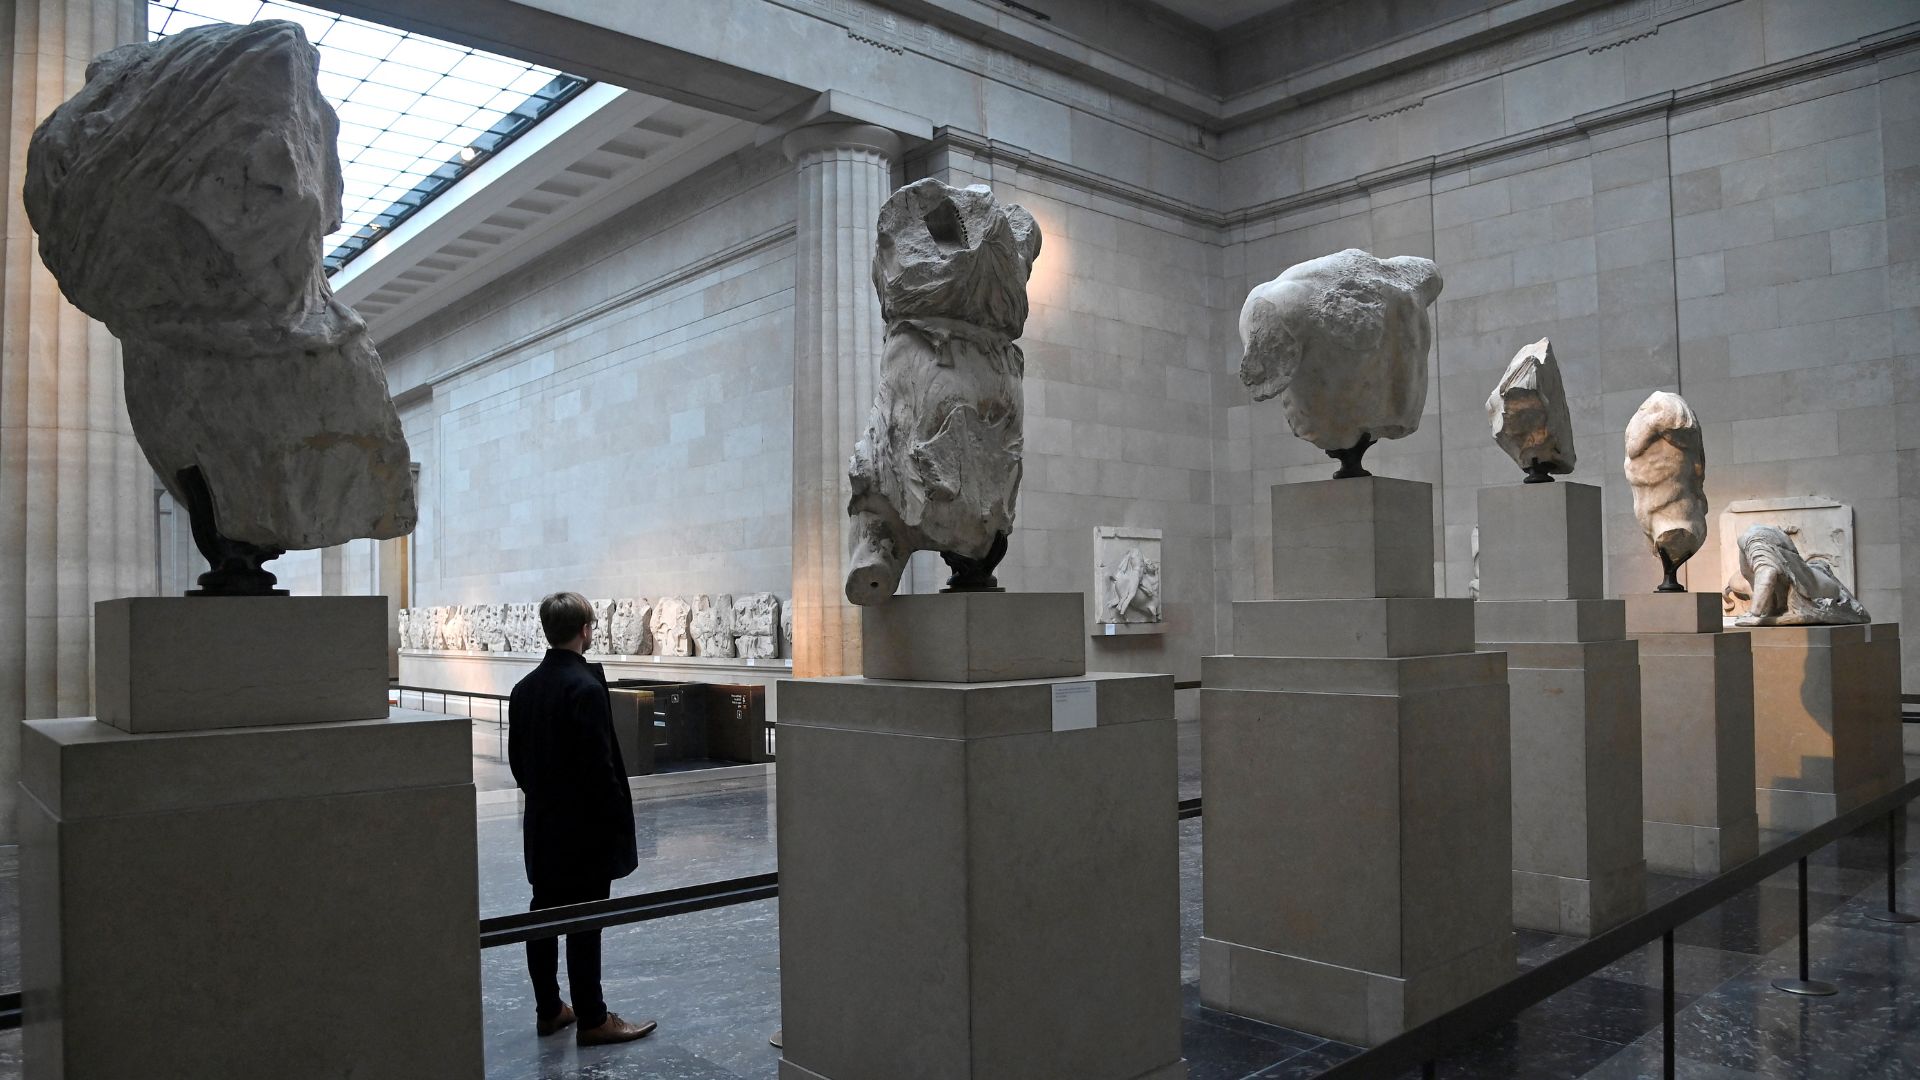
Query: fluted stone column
{"points": [[845, 172], [77, 504]]}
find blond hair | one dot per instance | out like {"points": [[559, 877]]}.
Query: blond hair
{"points": [[563, 615]]}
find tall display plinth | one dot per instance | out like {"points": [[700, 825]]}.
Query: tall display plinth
{"points": [[1355, 767], [1696, 734], [252, 900], [1574, 679], [1826, 720], [979, 879]]}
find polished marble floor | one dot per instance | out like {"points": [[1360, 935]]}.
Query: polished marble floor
{"points": [[712, 978]]}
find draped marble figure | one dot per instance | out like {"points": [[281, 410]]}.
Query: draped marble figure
{"points": [[1787, 589], [939, 466], [1667, 468], [1342, 341], [182, 198]]}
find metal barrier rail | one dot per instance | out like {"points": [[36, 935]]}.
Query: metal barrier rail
{"points": [[1423, 1046]]}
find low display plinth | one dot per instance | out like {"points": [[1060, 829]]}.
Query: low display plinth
{"points": [[1578, 865], [1826, 719], [979, 881], [251, 901], [1358, 869], [1696, 734]]}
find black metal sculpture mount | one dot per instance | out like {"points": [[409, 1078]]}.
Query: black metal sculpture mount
{"points": [[1537, 473], [236, 564], [976, 575], [1672, 582], [1349, 459]]}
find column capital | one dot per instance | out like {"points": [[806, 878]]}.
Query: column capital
{"points": [[804, 142]]}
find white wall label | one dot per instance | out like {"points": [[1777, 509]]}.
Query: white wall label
{"points": [[1073, 706]]}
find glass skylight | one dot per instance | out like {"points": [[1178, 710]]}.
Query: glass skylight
{"points": [[416, 114]]}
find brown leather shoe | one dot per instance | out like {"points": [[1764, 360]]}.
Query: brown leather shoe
{"points": [[561, 1019], [614, 1030]]}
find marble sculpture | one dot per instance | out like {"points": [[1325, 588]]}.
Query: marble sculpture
{"points": [[671, 616], [1342, 341], [939, 466], [1529, 417], [756, 626], [182, 197], [712, 625], [786, 626], [488, 633], [1131, 592], [1667, 469], [602, 626], [1786, 589], [404, 627], [629, 635]]}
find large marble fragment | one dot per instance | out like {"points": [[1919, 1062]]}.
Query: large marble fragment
{"points": [[671, 615], [182, 197], [786, 626], [437, 629], [602, 627], [1667, 469], [456, 629], [1786, 589], [756, 626], [1342, 341], [1127, 574], [939, 466], [711, 625], [628, 635], [403, 626], [1528, 413], [487, 631]]}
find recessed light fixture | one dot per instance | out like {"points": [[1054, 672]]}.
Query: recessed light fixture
{"points": [[468, 153]]}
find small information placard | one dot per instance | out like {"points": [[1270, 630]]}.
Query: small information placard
{"points": [[1073, 706]]}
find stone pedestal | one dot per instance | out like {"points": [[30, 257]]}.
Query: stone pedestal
{"points": [[1826, 720], [1355, 765], [250, 900], [1696, 734], [1574, 681], [979, 879]]}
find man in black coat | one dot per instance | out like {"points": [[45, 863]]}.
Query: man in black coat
{"points": [[577, 829]]}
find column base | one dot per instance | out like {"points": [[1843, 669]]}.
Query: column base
{"points": [[1580, 907], [1347, 1004], [1701, 850]]}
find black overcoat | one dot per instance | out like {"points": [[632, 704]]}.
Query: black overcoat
{"points": [[578, 824]]}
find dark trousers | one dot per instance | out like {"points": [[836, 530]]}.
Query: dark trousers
{"points": [[583, 955]]}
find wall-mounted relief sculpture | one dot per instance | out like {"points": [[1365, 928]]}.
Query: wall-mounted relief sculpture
{"points": [[1342, 341], [939, 466], [489, 632], [602, 627], [181, 197], [670, 629], [756, 626], [1126, 574], [1473, 544], [1782, 587], [786, 626], [1667, 468], [711, 625], [1528, 414], [627, 627], [1820, 528]]}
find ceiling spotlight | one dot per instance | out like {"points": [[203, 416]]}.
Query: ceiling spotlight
{"points": [[468, 153]]}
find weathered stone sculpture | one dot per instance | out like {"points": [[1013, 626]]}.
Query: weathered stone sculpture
{"points": [[712, 625], [602, 627], [786, 626], [1342, 341], [1528, 413], [756, 626], [627, 627], [670, 627], [939, 466], [527, 637], [1787, 589], [1667, 468], [1131, 592], [488, 631], [457, 629], [181, 197]]}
